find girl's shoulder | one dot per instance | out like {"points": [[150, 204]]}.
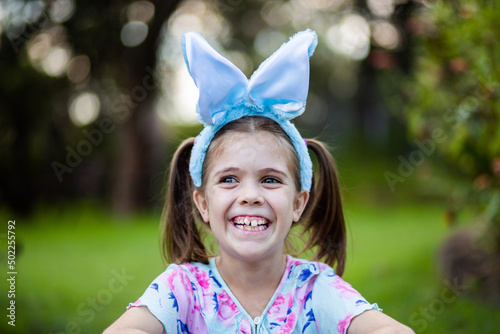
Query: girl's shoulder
{"points": [[323, 276], [188, 268], [304, 270], [333, 301], [198, 274]]}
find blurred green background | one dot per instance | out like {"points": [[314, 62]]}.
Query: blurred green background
{"points": [[94, 99]]}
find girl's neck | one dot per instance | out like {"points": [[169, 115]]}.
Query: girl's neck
{"points": [[252, 275], [252, 283]]}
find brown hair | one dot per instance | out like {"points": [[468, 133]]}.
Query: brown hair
{"points": [[323, 217]]}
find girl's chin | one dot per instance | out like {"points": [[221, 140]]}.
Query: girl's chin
{"points": [[251, 255]]}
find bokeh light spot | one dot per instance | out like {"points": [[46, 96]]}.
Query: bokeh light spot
{"points": [[134, 33], [62, 10], [38, 47], [84, 108], [382, 8], [142, 11], [32, 10], [350, 37], [385, 35], [180, 23], [78, 68], [55, 62], [182, 101]]}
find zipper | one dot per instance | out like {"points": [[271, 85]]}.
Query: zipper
{"points": [[256, 321]]}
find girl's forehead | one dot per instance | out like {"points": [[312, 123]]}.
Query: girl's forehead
{"points": [[258, 139], [254, 137], [254, 144]]}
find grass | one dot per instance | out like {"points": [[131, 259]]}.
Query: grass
{"points": [[79, 267], [68, 267]]}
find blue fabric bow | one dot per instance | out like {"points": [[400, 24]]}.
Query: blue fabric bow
{"points": [[277, 89]]}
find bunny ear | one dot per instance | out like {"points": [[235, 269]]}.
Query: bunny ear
{"points": [[220, 82], [282, 81]]}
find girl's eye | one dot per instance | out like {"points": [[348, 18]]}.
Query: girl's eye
{"points": [[228, 179], [271, 179]]}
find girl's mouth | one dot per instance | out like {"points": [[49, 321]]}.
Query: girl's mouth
{"points": [[251, 223]]}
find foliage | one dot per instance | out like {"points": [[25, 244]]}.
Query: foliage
{"points": [[453, 95], [452, 106], [63, 61]]}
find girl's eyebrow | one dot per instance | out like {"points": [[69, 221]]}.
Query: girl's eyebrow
{"points": [[226, 170], [274, 170]]}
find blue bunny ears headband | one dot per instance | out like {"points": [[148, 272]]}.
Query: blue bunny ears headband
{"points": [[277, 90]]}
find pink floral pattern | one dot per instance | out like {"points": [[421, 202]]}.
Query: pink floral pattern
{"points": [[193, 298], [227, 309], [245, 327], [346, 290], [280, 307], [344, 323]]}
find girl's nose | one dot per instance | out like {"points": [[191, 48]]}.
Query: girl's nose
{"points": [[250, 195]]}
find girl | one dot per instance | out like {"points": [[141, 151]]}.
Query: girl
{"points": [[248, 176]]}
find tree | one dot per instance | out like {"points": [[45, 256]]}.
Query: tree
{"points": [[453, 94], [109, 49], [101, 56]]}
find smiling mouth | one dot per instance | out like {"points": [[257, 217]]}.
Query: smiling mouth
{"points": [[251, 223]]}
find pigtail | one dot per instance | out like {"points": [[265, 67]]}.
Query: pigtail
{"points": [[180, 238], [325, 215]]}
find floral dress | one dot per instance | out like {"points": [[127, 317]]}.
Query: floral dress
{"points": [[311, 298]]}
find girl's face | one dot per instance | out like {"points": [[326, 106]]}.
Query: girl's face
{"points": [[250, 198]]}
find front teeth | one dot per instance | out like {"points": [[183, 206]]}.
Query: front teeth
{"points": [[251, 225], [252, 228]]}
